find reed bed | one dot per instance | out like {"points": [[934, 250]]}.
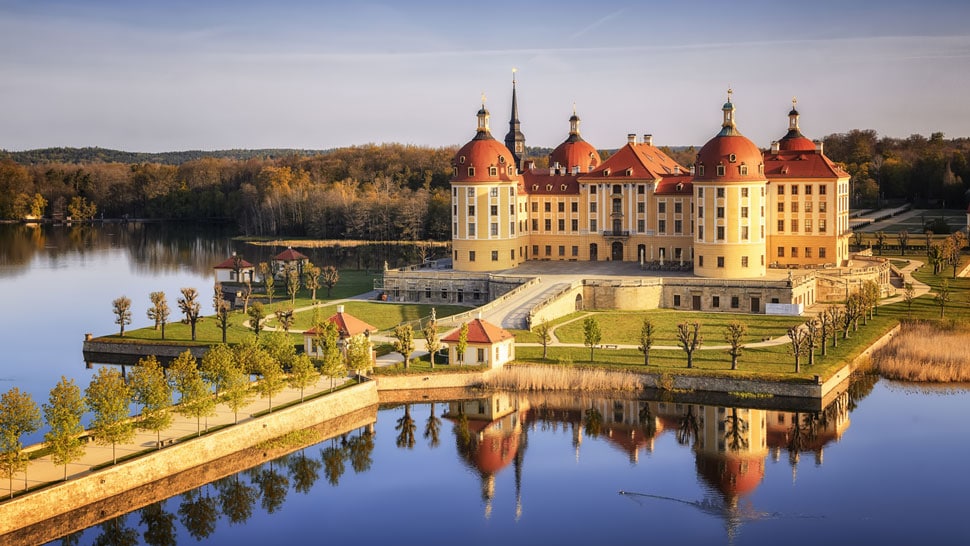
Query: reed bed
{"points": [[566, 378], [927, 352]]}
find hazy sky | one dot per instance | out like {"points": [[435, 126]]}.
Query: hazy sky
{"points": [[179, 75]]}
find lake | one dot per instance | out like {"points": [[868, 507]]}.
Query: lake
{"points": [[884, 464]]}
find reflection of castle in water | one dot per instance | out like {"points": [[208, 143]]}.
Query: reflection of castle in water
{"points": [[730, 444]]}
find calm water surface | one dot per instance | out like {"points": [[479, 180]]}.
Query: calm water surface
{"points": [[885, 464]]}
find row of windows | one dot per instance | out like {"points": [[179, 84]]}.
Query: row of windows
{"points": [[793, 189], [471, 255], [822, 225], [492, 192], [719, 192], [574, 250], [719, 260], [492, 171], [806, 207], [721, 169], [745, 233], [807, 252]]}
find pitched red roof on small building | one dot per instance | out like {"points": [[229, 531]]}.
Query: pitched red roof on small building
{"points": [[229, 264], [347, 324], [290, 255], [480, 331]]}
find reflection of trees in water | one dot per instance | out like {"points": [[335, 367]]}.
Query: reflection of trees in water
{"points": [[432, 429], [735, 431], [860, 385], [198, 513], [159, 525], [648, 423], [304, 471], [236, 498], [593, 421], [359, 450], [333, 462], [273, 486], [72, 539], [406, 429], [687, 430], [115, 532]]}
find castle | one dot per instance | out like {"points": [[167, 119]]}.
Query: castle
{"points": [[741, 225]]}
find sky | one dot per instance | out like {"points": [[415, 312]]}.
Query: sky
{"points": [[154, 76]]}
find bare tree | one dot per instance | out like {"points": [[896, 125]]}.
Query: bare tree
{"points": [[798, 337], [330, 277], [311, 279], [811, 339], [734, 334], [880, 240], [689, 337], [159, 310], [909, 294], [943, 296], [591, 334], [223, 310], [285, 316], [190, 307], [122, 311], [647, 334], [903, 237], [543, 331]]}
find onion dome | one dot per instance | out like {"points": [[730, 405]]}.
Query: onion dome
{"points": [[729, 156], [483, 159], [794, 141], [575, 152]]}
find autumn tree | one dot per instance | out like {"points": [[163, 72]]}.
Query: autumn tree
{"points": [[909, 294], [266, 273], [303, 373], [159, 311], [943, 296], [462, 345], [62, 413], [689, 337], [431, 336], [256, 316], [333, 361], [122, 311], [836, 314], [545, 336], [292, 278], [19, 415], [280, 347], [647, 338], [216, 365], [812, 336], [195, 394], [80, 209], [358, 354], [151, 390], [272, 380], [236, 389], [311, 279], [734, 334], [591, 334], [404, 342], [190, 307], [108, 398], [285, 316], [223, 310], [329, 276], [824, 329]]}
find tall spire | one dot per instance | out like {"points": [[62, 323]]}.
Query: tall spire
{"points": [[514, 139]]}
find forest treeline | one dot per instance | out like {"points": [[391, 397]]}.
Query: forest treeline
{"points": [[380, 191]]}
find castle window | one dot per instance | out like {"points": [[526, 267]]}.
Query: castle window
{"points": [[535, 187], [821, 189], [662, 207], [471, 258], [821, 252], [720, 193], [821, 205], [493, 229], [461, 159], [735, 301], [575, 251], [744, 261], [562, 251], [471, 230], [700, 172], [548, 250], [471, 171], [744, 212], [629, 172], [454, 171], [720, 233], [794, 252], [547, 206], [794, 206], [561, 206], [492, 171], [548, 187], [720, 261], [781, 206], [661, 226], [574, 206], [606, 172], [574, 224], [808, 252], [678, 207], [471, 192], [732, 158], [720, 170], [510, 170], [494, 255], [808, 206], [720, 212], [808, 189], [821, 226], [744, 191], [744, 233], [794, 225], [618, 188], [494, 210], [781, 252], [562, 224], [493, 192], [641, 206], [761, 168], [794, 189], [592, 225], [592, 206], [781, 189], [563, 187], [535, 206], [471, 210], [700, 192], [808, 226], [641, 189], [641, 225], [501, 159], [678, 226], [743, 169], [781, 226], [677, 296], [715, 301], [548, 224]]}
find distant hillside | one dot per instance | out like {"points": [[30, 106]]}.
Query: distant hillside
{"points": [[104, 155]]}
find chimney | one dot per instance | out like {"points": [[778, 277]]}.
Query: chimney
{"points": [[775, 146], [648, 139], [818, 146], [631, 138], [340, 308], [676, 169]]}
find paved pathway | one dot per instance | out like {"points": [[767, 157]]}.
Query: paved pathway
{"points": [[43, 470]]}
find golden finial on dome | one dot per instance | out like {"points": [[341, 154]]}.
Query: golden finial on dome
{"points": [[483, 99], [730, 91], [514, 70], [574, 108], [794, 101]]}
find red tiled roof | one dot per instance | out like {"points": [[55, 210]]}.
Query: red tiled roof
{"points": [[675, 185], [718, 151], [228, 264], [638, 161], [540, 182], [575, 152], [348, 325], [289, 255], [480, 331], [732, 475], [800, 164], [482, 153]]}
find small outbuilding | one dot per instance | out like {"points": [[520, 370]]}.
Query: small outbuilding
{"points": [[348, 326], [289, 258], [235, 269], [486, 344]]}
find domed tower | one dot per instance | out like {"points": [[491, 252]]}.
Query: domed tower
{"points": [[729, 196], [483, 196], [514, 139], [574, 155], [794, 140]]}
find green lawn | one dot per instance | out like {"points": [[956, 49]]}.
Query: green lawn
{"points": [[382, 315], [623, 327]]}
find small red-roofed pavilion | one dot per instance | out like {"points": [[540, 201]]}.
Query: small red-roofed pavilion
{"points": [[487, 344]]}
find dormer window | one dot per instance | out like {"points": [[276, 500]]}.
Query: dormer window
{"points": [[454, 171], [471, 171], [679, 186], [700, 170], [461, 159], [629, 172], [548, 187], [720, 170], [732, 158], [511, 170], [492, 171], [535, 187], [743, 169], [563, 187], [606, 172], [501, 159]]}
